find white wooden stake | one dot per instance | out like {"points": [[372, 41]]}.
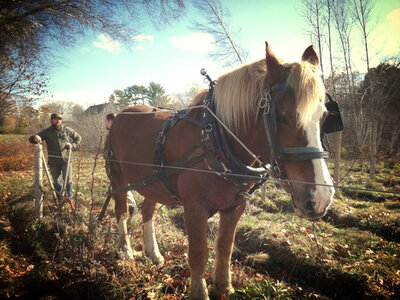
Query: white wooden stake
{"points": [[336, 175], [38, 187]]}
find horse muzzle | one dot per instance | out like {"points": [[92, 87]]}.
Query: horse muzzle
{"points": [[312, 204]]}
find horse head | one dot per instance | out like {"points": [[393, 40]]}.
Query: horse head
{"points": [[297, 95]]}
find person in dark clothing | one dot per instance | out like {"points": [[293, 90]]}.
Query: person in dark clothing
{"points": [[59, 139]]}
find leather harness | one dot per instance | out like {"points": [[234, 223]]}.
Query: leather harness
{"points": [[217, 151]]}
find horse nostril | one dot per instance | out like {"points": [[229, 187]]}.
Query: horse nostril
{"points": [[310, 205]]}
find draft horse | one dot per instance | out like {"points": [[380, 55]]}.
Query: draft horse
{"points": [[262, 119]]}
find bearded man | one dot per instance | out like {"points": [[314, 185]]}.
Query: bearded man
{"points": [[59, 139]]}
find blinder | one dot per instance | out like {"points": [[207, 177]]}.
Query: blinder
{"points": [[333, 121]]}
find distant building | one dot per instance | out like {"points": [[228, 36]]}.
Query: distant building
{"points": [[96, 109]]}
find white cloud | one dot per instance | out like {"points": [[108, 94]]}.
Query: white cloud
{"points": [[106, 43], [143, 37], [385, 37], [394, 17], [196, 41]]}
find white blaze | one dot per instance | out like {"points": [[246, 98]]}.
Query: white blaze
{"points": [[323, 194]]}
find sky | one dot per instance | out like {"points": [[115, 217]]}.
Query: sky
{"points": [[92, 69]]}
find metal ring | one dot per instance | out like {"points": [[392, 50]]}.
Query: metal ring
{"points": [[208, 127], [277, 171], [262, 103]]}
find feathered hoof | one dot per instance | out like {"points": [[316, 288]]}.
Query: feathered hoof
{"points": [[198, 290], [129, 253]]}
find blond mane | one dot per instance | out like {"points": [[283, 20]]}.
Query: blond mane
{"points": [[238, 93]]}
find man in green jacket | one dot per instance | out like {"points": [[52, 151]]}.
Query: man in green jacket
{"points": [[59, 139]]}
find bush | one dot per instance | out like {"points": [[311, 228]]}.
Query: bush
{"points": [[15, 153]]}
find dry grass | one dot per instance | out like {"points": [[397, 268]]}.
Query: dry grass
{"points": [[15, 153], [352, 252]]}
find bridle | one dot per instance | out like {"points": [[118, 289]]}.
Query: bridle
{"points": [[220, 140], [282, 154]]}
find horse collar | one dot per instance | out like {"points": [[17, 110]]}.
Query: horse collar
{"points": [[219, 155]]}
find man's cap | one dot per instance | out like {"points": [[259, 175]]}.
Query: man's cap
{"points": [[55, 116]]}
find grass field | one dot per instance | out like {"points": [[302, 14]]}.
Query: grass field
{"points": [[351, 253]]}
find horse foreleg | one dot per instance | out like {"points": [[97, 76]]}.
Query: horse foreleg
{"points": [[149, 237], [224, 246], [196, 225], [121, 212]]}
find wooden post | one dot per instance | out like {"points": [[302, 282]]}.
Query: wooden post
{"points": [[338, 152], [373, 150], [53, 192], [263, 191], [38, 187]]}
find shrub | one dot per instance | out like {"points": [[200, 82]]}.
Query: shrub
{"points": [[15, 153]]}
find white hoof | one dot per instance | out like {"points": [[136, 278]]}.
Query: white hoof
{"points": [[199, 290], [157, 259]]}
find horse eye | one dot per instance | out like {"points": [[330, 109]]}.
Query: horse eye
{"points": [[280, 118]]}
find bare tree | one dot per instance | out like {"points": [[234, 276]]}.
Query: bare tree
{"points": [[328, 21], [32, 31], [217, 22], [343, 21], [343, 25], [183, 100], [313, 13], [362, 11]]}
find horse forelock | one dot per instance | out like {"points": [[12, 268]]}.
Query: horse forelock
{"points": [[309, 91]]}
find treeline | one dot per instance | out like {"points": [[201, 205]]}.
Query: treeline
{"points": [[369, 98], [370, 113], [23, 117]]}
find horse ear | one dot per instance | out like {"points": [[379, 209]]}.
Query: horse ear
{"points": [[311, 56], [274, 67]]}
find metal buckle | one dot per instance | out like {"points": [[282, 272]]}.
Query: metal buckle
{"points": [[267, 93], [266, 99], [262, 103], [208, 127]]}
